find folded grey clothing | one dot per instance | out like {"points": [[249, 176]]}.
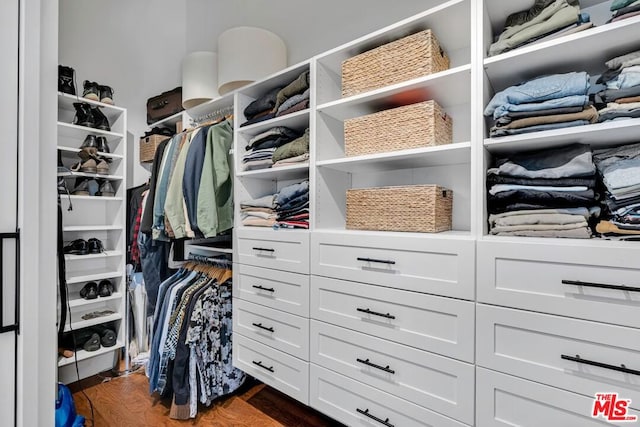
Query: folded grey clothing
{"points": [[263, 156], [258, 164], [584, 212], [540, 227], [622, 193], [610, 95], [573, 160], [588, 113], [497, 132], [619, 114], [613, 204], [265, 103], [258, 154], [573, 233], [299, 85], [587, 181], [302, 105], [571, 29], [607, 157], [538, 219], [302, 158], [258, 119], [294, 211], [627, 15], [559, 198], [294, 100], [527, 15], [499, 188], [515, 115], [623, 61], [262, 202], [273, 133]]}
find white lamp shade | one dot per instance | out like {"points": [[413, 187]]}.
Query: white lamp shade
{"points": [[199, 78], [247, 54]]}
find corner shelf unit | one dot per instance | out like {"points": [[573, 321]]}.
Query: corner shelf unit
{"points": [[94, 217]]}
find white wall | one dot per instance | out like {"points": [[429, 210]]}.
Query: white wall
{"points": [[137, 46]]}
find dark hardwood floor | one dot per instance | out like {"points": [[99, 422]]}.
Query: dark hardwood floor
{"points": [[124, 401]]}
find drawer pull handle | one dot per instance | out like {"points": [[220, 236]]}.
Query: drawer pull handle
{"points": [[620, 368], [264, 249], [259, 325], [379, 261], [373, 365], [366, 413], [375, 313], [600, 285], [262, 288], [268, 368]]}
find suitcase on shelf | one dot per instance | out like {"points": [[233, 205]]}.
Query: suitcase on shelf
{"points": [[164, 105]]}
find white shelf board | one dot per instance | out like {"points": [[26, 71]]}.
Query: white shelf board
{"points": [[69, 130], [80, 323], [72, 150], [210, 248], [594, 242], [598, 135], [278, 79], [269, 229], [448, 154], [75, 228], [95, 198], [105, 254], [84, 355], [81, 278], [449, 87], [297, 120], [80, 302], [170, 121], [278, 173], [90, 175], [587, 50], [66, 101], [452, 234]]}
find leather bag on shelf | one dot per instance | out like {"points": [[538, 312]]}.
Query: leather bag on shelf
{"points": [[164, 105]]}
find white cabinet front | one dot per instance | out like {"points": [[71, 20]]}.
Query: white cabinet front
{"points": [[281, 250]]}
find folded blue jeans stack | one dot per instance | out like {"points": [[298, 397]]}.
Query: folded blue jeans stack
{"points": [[620, 99]]}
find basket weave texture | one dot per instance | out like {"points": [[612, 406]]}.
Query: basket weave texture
{"points": [[424, 124], [149, 145], [408, 58], [414, 208]]}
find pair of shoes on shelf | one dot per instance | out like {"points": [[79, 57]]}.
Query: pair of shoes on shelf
{"points": [[100, 336], [97, 92], [93, 187], [89, 116], [84, 247], [92, 164], [93, 290], [95, 144]]}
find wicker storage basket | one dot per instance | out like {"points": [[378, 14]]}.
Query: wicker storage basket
{"points": [[416, 208], [148, 147], [424, 124], [410, 57]]}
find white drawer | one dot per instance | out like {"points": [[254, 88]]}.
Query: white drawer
{"points": [[282, 331], [276, 289], [440, 325], [530, 276], [530, 345], [282, 250], [435, 382], [346, 400], [506, 401], [442, 266], [286, 373]]}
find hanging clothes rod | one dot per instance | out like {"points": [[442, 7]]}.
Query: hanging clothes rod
{"points": [[217, 260], [212, 115]]}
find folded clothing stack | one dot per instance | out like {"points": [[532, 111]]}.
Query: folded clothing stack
{"points": [[292, 206], [544, 103], [621, 98], [262, 147], [623, 9], [294, 152], [280, 101], [619, 169], [547, 193], [545, 20], [258, 212]]}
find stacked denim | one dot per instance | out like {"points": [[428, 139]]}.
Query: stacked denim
{"points": [[619, 169], [546, 193], [292, 206], [261, 148], [258, 212], [546, 19], [544, 103], [624, 9], [621, 97]]}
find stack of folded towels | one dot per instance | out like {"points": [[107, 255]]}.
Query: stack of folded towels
{"points": [[292, 206], [546, 193], [623, 9], [621, 98], [280, 101], [262, 147], [619, 169], [544, 103], [258, 212], [545, 20]]}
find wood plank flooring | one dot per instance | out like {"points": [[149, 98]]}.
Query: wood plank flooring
{"points": [[125, 402]]}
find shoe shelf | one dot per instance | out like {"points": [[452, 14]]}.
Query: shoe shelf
{"points": [[69, 130], [91, 175], [78, 228], [66, 101], [105, 254], [72, 151], [79, 324], [93, 198], [81, 302], [83, 354], [81, 278]]}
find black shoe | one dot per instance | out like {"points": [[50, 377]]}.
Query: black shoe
{"points": [[90, 141], [66, 80], [102, 145], [158, 130], [105, 288], [91, 90], [106, 189], [106, 94], [77, 247], [84, 116], [99, 119], [95, 246], [107, 335], [93, 343], [89, 291]]}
